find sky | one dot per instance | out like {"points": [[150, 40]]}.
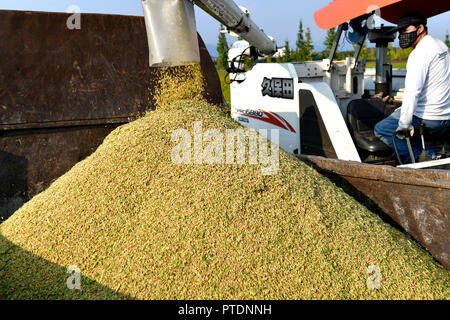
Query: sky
{"points": [[279, 18]]}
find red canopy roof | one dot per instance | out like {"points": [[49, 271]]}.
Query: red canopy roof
{"points": [[340, 11]]}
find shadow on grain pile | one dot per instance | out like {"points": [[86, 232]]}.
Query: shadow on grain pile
{"points": [[139, 226]]}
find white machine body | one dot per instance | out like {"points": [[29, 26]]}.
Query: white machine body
{"points": [[270, 96]]}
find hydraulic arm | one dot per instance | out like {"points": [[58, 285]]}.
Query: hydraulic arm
{"points": [[230, 15]]}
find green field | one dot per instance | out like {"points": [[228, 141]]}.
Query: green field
{"points": [[225, 85], [395, 65]]}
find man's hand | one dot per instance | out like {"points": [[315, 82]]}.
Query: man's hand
{"points": [[380, 96], [403, 133]]}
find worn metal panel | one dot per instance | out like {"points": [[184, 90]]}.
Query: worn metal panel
{"points": [[49, 73], [422, 211], [30, 160]]}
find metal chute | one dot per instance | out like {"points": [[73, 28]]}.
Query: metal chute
{"points": [[171, 29], [171, 32]]}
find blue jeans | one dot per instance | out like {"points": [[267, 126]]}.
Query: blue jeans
{"points": [[386, 129]]}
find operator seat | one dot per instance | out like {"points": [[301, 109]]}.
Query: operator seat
{"points": [[362, 116]]}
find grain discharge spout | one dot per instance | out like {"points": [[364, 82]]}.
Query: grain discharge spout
{"points": [[171, 29]]}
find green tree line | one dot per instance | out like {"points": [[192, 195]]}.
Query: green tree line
{"points": [[222, 49], [304, 47]]}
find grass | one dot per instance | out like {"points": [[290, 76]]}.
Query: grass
{"points": [[395, 65], [139, 226], [225, 86]]}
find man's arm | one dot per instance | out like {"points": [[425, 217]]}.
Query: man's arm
{"points": [[416, 75]]}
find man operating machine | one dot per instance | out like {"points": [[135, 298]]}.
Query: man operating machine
{"points": [[426, 101]]}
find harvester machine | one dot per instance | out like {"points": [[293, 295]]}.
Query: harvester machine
{"points": [[322, 107]]}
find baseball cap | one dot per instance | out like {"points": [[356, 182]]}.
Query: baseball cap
{"points": [[412, 18]]}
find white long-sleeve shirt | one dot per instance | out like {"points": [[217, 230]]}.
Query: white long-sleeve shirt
{"points": [[427, 83]]}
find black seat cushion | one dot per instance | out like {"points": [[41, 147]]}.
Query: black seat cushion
{"points": [[362, 116]]}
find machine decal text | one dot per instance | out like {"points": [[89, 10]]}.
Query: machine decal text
{"points": [[278, 88]]}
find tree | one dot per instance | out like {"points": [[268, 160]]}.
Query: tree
{"points": [[364, 54], [405, 53], [390, 52], [371, 55], [222, 61], [288, 56], [329, 40], [248, 63], [447, 39], [309, 47], [300, 44], [397, 54]]}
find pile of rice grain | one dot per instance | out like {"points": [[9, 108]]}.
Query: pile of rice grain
{"points": [[138, 226]]}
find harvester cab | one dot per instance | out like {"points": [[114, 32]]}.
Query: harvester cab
{"points": [[305, 101], [317, 106]]}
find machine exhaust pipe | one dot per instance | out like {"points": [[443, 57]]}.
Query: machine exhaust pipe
{"points": [[383, 80]]}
